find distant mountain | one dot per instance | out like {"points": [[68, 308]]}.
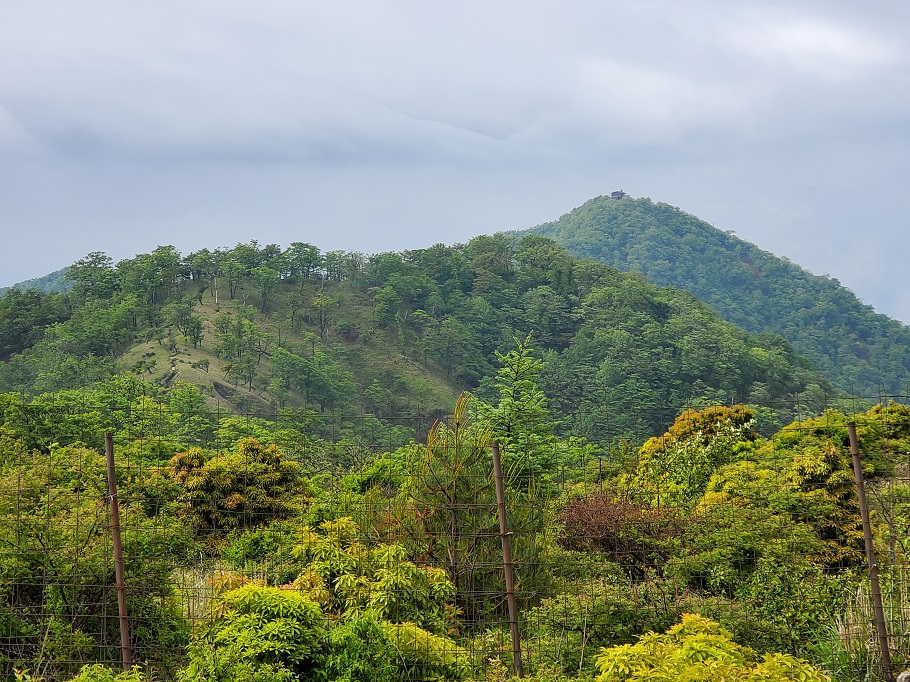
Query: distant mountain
{"points": [[861, 351], [49, 284]]}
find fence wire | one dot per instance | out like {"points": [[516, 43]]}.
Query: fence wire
{"points": [[304, 540]]}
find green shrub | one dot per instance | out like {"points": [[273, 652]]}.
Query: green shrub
{"points": [[100, 673], [249, 487], [257, 633], [697, 650]]}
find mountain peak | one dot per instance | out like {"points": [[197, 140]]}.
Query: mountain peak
{"points": [[859, 349]]}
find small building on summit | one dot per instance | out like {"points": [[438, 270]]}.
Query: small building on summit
{"points": [[618, 194]]}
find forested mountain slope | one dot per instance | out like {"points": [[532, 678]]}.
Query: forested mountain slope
{"points": [[860, 350], [265, 328], [50, 283]]}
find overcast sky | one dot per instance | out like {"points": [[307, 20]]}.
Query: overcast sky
{"points": [[387, 125]]}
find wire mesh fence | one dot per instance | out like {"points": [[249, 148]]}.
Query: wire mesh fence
{"points": [[323, 545]]}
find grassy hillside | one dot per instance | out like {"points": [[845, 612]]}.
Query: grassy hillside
{"points": [[261, 328], [860, 350]]}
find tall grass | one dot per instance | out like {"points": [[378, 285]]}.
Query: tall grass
{"points": [[849, 648]]}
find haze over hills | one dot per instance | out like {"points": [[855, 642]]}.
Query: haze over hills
{"points": [[862, 351]]}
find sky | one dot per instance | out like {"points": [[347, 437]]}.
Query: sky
{"points": [[377, 126]]}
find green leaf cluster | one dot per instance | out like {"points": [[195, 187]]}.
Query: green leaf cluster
{"points": [[698, 649], [352, 613], [246, 488]]}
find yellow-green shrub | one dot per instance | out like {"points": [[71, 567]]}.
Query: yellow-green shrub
{"points": [[695, 650]]}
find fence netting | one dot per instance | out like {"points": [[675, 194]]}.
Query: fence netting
{"points": [[300, 544]]}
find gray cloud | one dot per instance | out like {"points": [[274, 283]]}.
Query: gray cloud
{"points": [[387, 125]]}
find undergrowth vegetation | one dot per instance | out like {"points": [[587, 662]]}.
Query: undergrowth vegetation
{"points": [[275, 557]]}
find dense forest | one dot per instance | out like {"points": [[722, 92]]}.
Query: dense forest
{"points": [[303, 447], [861, 351], [267, 328]]}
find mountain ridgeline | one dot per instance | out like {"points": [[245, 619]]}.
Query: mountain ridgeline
{"points": [[861, 351], [50, 283], [265, 328]]}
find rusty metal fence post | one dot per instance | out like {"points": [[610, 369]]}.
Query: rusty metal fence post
{"points": [[880, 626], [506, 536], [125, 654]]}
